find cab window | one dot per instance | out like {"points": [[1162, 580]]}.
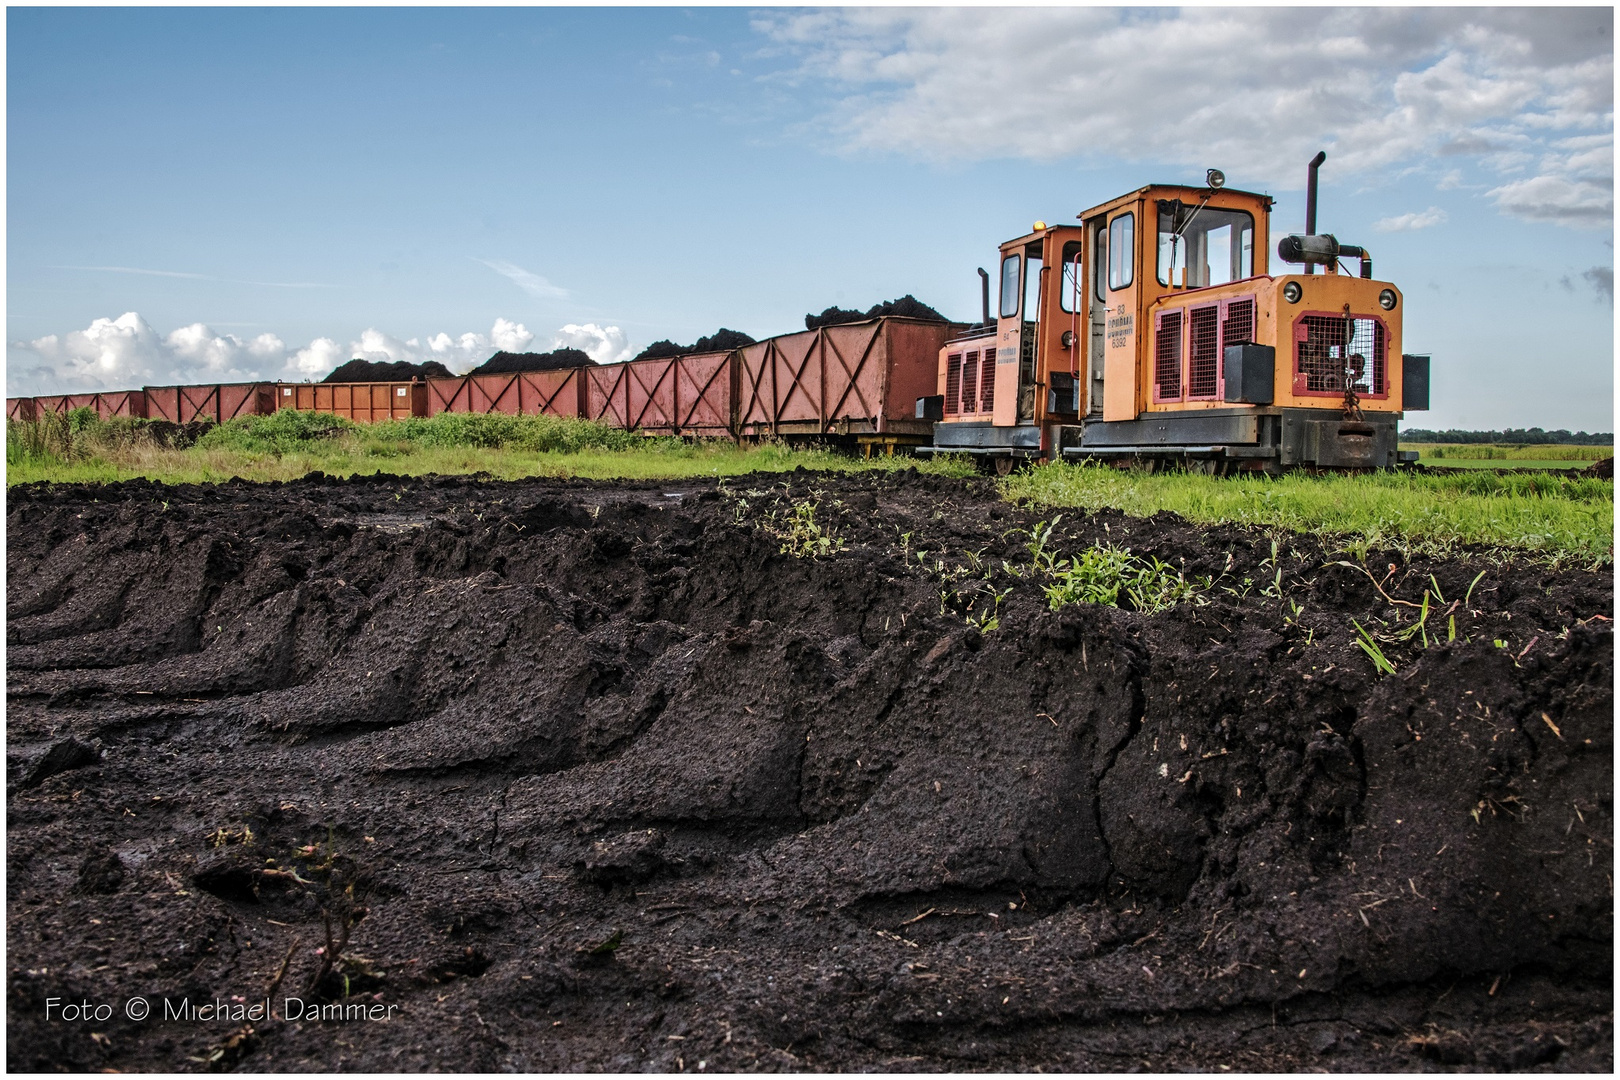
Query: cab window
{"points": [[1121, 245], [1099, 260], [1009, 286], [1202, 246], [1069, 294]]}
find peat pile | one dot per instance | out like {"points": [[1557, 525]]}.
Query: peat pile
{"points": [[722, 340], [907, 306], [387, 371], [503, 362], [595, 776]]}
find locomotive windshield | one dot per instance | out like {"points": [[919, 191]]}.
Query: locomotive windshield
{"points": [[1202, 246]]}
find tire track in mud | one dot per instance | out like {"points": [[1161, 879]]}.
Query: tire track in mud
{"points": [[485, 728]]}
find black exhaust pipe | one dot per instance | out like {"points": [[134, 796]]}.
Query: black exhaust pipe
{"points": [[984, 297], [1310, 199]]}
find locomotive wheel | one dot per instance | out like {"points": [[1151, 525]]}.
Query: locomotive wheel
{"points": [[1006, 465]]}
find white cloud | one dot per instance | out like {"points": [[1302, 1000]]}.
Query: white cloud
{"points": [[1254, 91], [220, 357], [533, 284], [510, 336], [1421, 219], [604, 344], [126, 352], [1574, 185], [316, 359], [108, 354], [1557, 199]]}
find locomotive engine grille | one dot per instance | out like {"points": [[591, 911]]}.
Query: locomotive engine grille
{"points": [[1324, 344]]}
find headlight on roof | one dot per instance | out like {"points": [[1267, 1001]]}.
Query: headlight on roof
{"points": [[1292, 292], [1386, 299]]}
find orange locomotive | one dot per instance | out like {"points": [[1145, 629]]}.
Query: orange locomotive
{"points": [[1147, 333]]}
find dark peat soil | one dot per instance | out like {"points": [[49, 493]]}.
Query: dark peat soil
{"points": [[580, 776]]}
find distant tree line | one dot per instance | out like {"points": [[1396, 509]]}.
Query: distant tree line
{"points": [[1510, 437]]}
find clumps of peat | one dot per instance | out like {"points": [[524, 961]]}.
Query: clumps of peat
{"points": [[358, 370], [815, 772], [503, 362], [722, 340], [906, 306]]}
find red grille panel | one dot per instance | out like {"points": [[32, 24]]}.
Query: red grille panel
{"points": [[987, 381], [1203, 368], [1326, 345], [1239, 325], [970, 382], [953, 383], [1167, 357]]}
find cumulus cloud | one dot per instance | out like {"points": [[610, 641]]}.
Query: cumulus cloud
{"points": [[316, 359], [1255, 91], [105, 355], [126, 352], [1422, 219], [604, 344], [531, 283]]}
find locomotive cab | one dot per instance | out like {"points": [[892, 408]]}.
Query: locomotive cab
{"points": [[1153, 330]]}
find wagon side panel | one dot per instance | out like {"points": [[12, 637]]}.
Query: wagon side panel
{"points": [[447, 395], [650, 395], [605, 395], [704, 393], [550, 393]]}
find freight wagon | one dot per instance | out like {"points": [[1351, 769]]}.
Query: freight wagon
{"points": [[363, 403], [107, 405], [521, 393], [216, 402]]}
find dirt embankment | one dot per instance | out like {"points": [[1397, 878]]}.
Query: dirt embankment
{"points": [[595, 777]]}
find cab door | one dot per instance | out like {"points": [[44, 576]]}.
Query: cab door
{"points": [[1060, 340], [1009, 336], [1121, 291], [1096, 313]]}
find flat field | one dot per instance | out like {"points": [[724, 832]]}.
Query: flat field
{"points": [[801, 771], [1560, 517], [1507, 455]]}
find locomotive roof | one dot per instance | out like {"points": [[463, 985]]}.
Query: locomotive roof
{"points": [[1197, 191]]}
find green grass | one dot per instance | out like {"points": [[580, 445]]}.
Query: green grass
{"points": [[1510, 463], [290, 444], [1556, 516], [1566, 517]]}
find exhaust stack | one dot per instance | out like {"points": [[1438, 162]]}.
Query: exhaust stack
{"points": [[984, 297], [1313, 249], [1310, 198]]}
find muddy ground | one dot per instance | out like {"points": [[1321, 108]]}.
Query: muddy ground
{"points": [[595, 777]]}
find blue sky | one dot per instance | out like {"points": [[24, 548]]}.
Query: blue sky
{"points": [[199, 194]]}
